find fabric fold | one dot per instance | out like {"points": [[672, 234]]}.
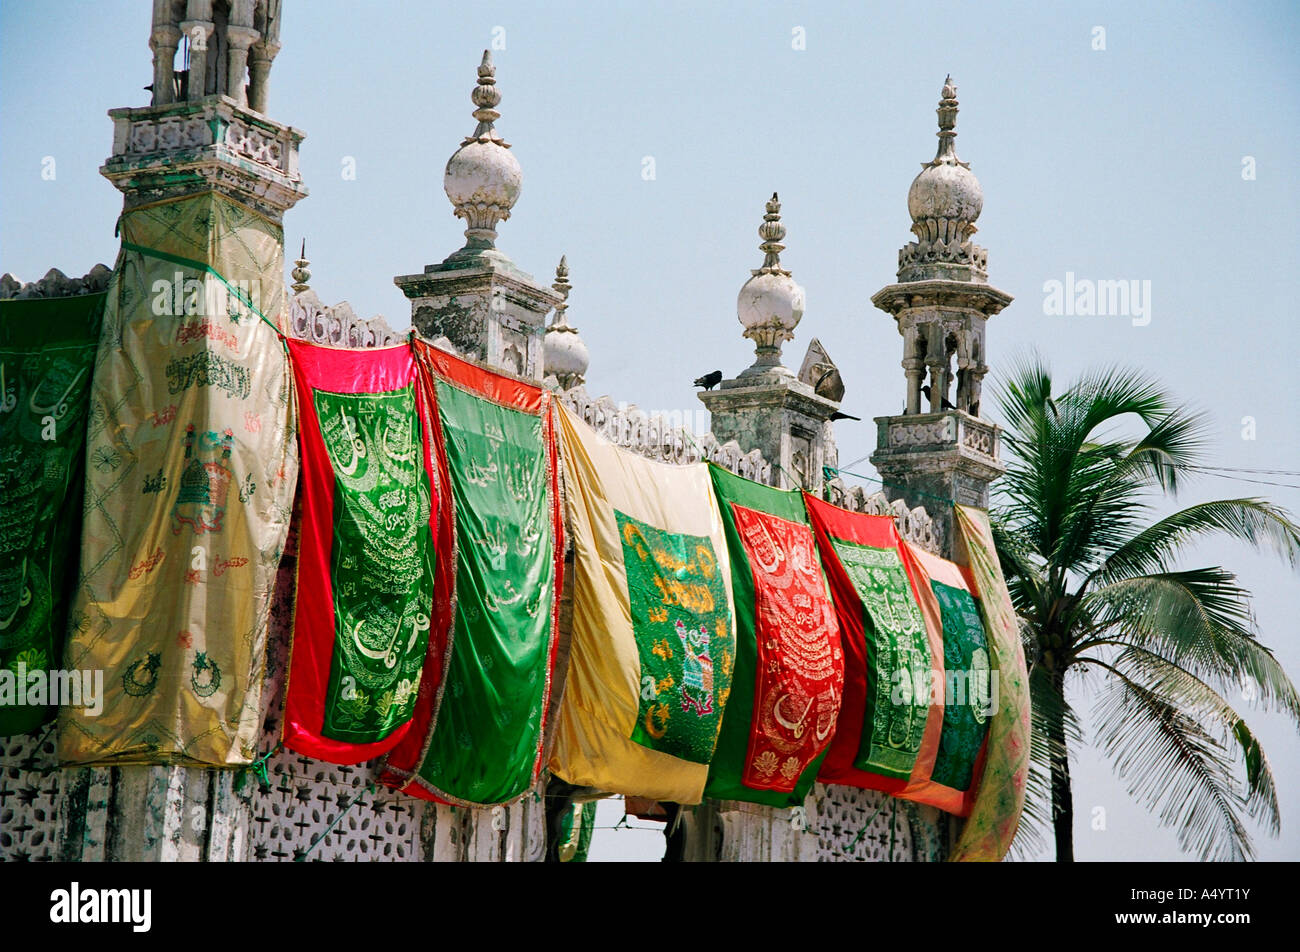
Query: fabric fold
{"points": [[191, 469], [946, 593], [1000, 793], [477, 735], [653, 643], [887, 736], [47, 353]]}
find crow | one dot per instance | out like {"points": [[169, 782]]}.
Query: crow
{"points": [[709, 381], [943, 400], [830, 384], [837, 415]]}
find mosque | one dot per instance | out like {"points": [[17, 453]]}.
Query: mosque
{"points": [[209, 129]]}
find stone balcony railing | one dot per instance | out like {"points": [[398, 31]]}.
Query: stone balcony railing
{"points": [[927, 432], [214, 142]]}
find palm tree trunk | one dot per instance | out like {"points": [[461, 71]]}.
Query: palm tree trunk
{"points": [[1062, 798]]}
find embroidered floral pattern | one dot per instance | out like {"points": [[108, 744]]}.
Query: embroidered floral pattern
{"points": [[682, 627]]}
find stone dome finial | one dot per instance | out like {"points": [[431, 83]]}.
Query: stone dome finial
{"points": [[772, 232], [486, 97], [564, 355], [945, 201], [301, 273], [483, 178], [770, 304]]}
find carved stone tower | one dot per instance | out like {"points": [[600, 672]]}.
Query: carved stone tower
{"points": [[941, 450], [204, 153], [486, 307], [205, 130], [766, 407]]}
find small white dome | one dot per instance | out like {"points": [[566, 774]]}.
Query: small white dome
{"points": [[770, 298], [483, 173], [945, 191], [564, 354]]}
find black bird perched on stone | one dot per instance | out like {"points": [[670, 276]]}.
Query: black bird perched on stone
{"points": [[839, 415], [709, 381], [830, 385], [943, 401]]}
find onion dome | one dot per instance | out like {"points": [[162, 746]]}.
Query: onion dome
{"points": [[564, 355], [946, 187], [770, 304], [483, 179]]}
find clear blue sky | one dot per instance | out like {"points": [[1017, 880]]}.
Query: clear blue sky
{"points": [[1117, 164]]}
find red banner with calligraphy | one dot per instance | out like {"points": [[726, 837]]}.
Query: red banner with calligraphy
{"points": [[799, 671]]}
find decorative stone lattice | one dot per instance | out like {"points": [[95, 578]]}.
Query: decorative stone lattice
{"points": [[31, 792], [56, 284], [336, 326], [144, 135]]}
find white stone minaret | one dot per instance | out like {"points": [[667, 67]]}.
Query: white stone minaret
{"points": [[477, 298], [940, 450], [206, 128], [229, 46]]}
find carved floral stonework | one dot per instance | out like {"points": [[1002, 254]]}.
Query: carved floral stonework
{"points": [[336, 326], [56, 284], [922, 434]]}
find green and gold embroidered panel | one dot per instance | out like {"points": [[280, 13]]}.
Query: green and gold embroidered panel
{"points": [[966, 668], [682, 627], [381, 562], [898, 657], [485, 743]]}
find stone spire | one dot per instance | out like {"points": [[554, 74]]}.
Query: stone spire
{"points": [[945, 201], [770, 304], [938, 449], [564, 355], [766, 407], [301, 272], [482, 179], [486, 307]]}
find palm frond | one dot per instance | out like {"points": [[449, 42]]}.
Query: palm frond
{"points": [[1167, 760], [1199, 619], [1256, 522], [1207, 707]]}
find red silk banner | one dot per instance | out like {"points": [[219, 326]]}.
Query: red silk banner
{"points": [[368, 505], [861, 668], [798, 676]]}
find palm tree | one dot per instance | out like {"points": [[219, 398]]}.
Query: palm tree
{"points": [[1104, 605]]}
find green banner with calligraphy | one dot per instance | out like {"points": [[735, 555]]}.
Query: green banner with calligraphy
{"points": [[47, 354], [898, 654]]}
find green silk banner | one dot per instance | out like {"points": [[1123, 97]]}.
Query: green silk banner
{"points": [[381, 564], [483, 740], [966, 664], [679, 611], [47, 353], [892, 732]]}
